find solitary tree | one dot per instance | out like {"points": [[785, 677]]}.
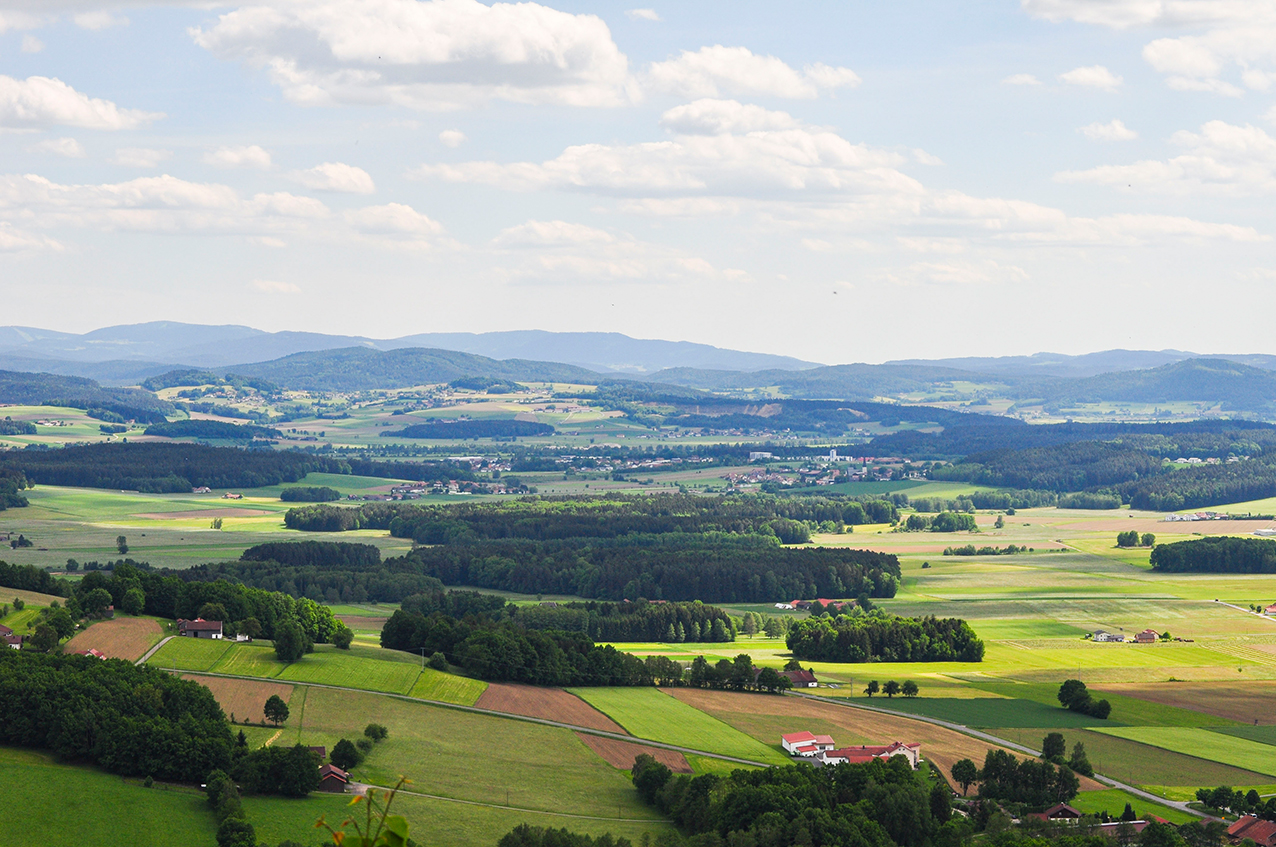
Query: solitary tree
{"points": [[891, 688], [1053, 747], [345, 755], [290, 641], [276, 709], [750, 627], [910, 688], [965, 774], [342, 637], [1148, 539], [376, 732], [121, 544], [872, 688]]}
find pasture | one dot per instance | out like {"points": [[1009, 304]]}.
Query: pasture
{"points": [[1113, 800], [1202, 743]]}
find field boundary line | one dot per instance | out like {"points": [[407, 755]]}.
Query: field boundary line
{"points": [[1003, 742], [155, 649], [366, 785], [507, 715]]}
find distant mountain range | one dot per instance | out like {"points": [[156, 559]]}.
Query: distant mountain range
{"points": [[1087, 364], [133, 352]]}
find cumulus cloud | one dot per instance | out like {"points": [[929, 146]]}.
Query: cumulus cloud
{"points": [[393, 218], [1221, 159], [1093, 76], [336, 176], [1021, 79], [719, 71], [140, 157], [18, 241], [717, 117], [1114, 130], [437, 54], [67, 147], [452, 137], [274, 286], [39, 102], [552, 233], [644, 15], [243, 156]]}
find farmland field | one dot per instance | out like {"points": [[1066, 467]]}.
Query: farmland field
{"points": [[652, 714], [621, 754], [1212, 746], [119, 638], [447, 688], [191, 654], [242, 698], [1113, 800], [548, 703]]}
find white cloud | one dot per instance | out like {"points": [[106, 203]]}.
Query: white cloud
{"points": [[336, 176], [1216, 86], [1093, 76], [393, 219], [140, 157], [1270, 115], [1021, 79], [39, 102], [31, 44], [242, 156], [18, 21], [68, 147], [1114, 130], [644, 15], [717, 71], [552, 233], [452, 137], [17, 241], [1221, 159], [99, 19], [961, 272], [438, 54], [924, 158], [267, 241], [274, 286], [718, 117]]}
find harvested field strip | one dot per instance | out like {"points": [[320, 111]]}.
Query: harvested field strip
{"points": [[767, 718], [621, 754], [121, 638], [1212, 746], [1242, 701], [653, 714], [552, 704], [447, 688], [1126, 709], [1141, 764], [243, 698]]}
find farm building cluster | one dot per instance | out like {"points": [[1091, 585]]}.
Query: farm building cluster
{"points": [[821, 750], [1147, 636], [11, 640]]}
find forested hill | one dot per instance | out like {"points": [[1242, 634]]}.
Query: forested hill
{"points": [[841, 382], [36, 389], [1236, 386], [363, 369]]}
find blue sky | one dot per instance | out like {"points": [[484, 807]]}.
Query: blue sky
{"points": [[835, 181]]}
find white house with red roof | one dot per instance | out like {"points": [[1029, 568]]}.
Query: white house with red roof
{"points": [[806, 744], [864, 754], [199, 628]]}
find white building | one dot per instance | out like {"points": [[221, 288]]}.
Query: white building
{"points": [[806, 744]]}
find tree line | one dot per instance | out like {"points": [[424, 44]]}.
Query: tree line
{"points": [[223, 430], [631, 621], [471, 429], [1204, 485], [880, 637], [1073, 466], [1216, 554]]}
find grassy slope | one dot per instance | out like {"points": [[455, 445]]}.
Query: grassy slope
{"points": [[1214, 746]]}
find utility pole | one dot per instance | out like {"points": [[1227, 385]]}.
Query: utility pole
{"points": [[422, 658]]}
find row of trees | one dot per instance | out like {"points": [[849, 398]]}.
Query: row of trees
{"points": [[1131, 538], [634, 621], [309, 494], [1217, 554], [942, 522], [880, 637], [1075, 698]]}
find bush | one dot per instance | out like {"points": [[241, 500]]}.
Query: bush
{"points": [[376, 732], [438, 661], [364, 745]]}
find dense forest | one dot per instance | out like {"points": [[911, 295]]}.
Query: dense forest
{"points": [[1216, 554], [129, 720], [309, 494], [1204, 485], [157, 467], [1073, 466], [872, 805], [483, 428], [880, 637], [41, 389], [9, 426], [632, 621], [12, 484], [220, 430]]}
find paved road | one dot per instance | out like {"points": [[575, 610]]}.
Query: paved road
{"points": [[154, 650], [965, 730], [475, 709]]}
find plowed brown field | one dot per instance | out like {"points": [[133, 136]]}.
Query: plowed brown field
{"points": [[767, 718], [244, 698], [1242, 701], [548, 703], [621, 754], [120, 638]]}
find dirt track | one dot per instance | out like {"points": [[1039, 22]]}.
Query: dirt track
{"points": [[547, 703]]}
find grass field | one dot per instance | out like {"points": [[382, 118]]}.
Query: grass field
{"points": [[448, 688], [1113, 800], [57, 805], [650, 713], [1212, 746]]}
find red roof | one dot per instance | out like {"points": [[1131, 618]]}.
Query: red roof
{"points": [[4, 630], [797, 737], [1261, 831], [799, 677], [91, 652], [200, 625], [331, 770], [824, 739]]}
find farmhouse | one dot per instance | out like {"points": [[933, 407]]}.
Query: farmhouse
{"points": [[333, 779], [199, 628], [1259, 831], [864, 754], [1059, 812], [14, 641], [1270, 610], [1147, 636], [805, 744], [801, 678], [4, 630], [98, 654], [1102, 636]]}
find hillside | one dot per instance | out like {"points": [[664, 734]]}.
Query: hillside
{"points": [[361, 369], [35, 389], [841, 382], [1238, 387]]}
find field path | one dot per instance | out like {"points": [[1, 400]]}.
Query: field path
{"points": [[154, 650], [506, 715], [962, 728]]}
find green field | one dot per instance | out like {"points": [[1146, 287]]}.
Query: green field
{"points": [[57, 805], [1213, 746], [448, 688], [652, 714], [1113, 800]]}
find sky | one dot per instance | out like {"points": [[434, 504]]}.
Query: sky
{"points": [[837, 181]]}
